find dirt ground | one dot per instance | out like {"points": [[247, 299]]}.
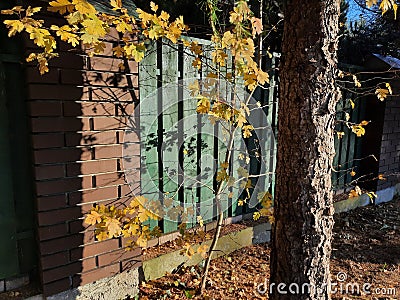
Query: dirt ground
{"points": [[366, 253], [365, 263]]}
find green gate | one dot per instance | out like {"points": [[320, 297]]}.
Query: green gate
{"points": [[17, 244]]}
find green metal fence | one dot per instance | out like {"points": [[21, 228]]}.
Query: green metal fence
{"points": [[175, 146]]}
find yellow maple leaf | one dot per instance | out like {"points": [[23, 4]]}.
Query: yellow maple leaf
{"points": [[352, 173], [113, 227], [123, 27], [7, 11], [65, 34], [240, 119], [371, 2], [142, 215], [84, 7], [164, 16], [257, 26], [118, 51], [93, 218], [250, 80], [61, 6], [75, 18], [187, 250], [14, 26], [131, 229], [89, 39], [235, 18], [135, 51], [153, 6], [203, 105], [141, 241], [42, 38], [262, 77], [265, 199], [381, 93], [219, 57], [256, 215], [196, 63], [101, 235], [358, 130], [228, 40], [222, 175], [32, 10], [247, 131], [196, 48], [94, 26]]}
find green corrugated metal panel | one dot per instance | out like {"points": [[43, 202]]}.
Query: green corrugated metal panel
{"points": [[149, 125], [170, 150]]}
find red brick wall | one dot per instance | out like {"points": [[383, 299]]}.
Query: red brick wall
{"points": [[389, 163], [77, 129]]}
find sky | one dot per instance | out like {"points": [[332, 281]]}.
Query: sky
{"points": [[355, 11]]}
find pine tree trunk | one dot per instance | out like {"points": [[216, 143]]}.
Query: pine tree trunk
{"points": [[302, 233]]}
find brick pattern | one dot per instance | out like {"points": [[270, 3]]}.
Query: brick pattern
{"points": [[78, 113], [389, 163]]}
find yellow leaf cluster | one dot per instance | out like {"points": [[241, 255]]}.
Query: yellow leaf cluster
{"points": [[135, 51], [359, 129], [111, 222], [387, 5], [203, 105], [158, 26]]}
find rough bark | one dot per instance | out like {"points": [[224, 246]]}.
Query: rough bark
{"points": [[301, 243]]}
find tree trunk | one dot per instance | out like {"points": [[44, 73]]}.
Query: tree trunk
{"points": [[302, 232]]}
